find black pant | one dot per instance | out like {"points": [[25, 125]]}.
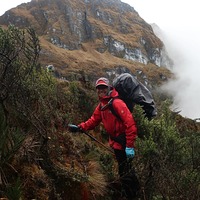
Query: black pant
{"points": [[128, 178], [123, 165]]}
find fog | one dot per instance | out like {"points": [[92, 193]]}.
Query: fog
{"points": [[186, 88], [178, 21]]}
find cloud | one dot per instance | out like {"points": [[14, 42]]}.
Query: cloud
{"points": [[184, 50], [179, 22]]}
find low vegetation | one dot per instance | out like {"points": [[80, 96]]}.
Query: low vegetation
{"points": [[41, 159]]}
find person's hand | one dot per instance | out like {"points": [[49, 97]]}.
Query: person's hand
{"points": [[130, 152], [73, 128]]}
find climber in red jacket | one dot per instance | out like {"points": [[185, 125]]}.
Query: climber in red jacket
{"points": [[120, 127]]}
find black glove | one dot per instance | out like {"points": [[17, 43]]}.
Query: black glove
{"points": [[73, 128]]}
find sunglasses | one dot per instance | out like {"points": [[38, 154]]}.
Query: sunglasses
{"points": [[101, 87]]}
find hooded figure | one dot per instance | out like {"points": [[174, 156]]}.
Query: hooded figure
{"points": [[125, 127], [122, 130]]}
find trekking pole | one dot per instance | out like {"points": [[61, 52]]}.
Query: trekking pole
{"points": [[93, 138], [75, 128]]}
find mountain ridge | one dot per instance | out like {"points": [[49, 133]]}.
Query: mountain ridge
{"points": [[90, 35]]}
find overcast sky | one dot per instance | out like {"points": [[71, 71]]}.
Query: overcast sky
{"points": [[8, 4], [179, 21]]}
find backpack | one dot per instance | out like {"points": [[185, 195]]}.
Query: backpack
{"points": [[132, 92]]}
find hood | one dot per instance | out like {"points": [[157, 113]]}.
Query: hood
{"points": [[112, 93]]}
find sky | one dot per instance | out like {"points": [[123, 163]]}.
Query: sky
{"points": [[178, 20], [8, 4], [179, 23]]}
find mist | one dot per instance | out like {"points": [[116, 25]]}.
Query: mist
{"points": [[183, 49], [180, 33], [179, 22]]}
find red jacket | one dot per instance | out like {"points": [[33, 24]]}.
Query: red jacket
{"points": [[114, 126]]}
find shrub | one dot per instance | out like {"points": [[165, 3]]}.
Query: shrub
{"points": [[165, 158]]}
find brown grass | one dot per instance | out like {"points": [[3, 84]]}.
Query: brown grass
{"points": [[87, 58], [96, 182]]}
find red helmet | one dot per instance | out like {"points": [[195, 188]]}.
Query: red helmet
{"points": [[102, 81]]}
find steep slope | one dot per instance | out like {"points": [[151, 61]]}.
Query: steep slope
{"points": [[83, 40], [90, 35]]}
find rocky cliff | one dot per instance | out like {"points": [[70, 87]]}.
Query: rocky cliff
{"points": [[91, 36]]}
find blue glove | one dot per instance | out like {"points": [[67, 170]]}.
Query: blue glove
{"points": [[73, 128], [130, 152]]}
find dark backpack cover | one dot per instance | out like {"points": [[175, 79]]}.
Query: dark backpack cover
{"points": [[132, 92]]}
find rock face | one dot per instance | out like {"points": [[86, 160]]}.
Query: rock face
{"points": [[85, 39], [113, 25]]}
